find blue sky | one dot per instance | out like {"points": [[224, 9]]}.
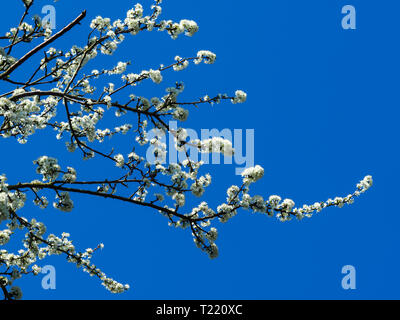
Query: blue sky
{"points": [[324, 103]]}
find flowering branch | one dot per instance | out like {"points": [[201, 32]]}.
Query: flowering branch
{"points": [[42, 45], [60, 95]]}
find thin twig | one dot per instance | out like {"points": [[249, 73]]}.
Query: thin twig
{"points": [[43, 45]]}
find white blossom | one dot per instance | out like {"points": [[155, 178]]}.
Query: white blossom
{"points": [[64, 202], [252, 174], [156, 76], [120, 161], [240, 97], [207, 56]]}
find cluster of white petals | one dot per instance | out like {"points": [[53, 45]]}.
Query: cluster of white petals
{"points": [[207, 56], [240, 97], [252, 174]]}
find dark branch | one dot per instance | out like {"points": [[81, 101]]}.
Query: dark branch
{"points": [[43, 45]]}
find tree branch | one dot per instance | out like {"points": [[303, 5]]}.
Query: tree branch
{"points": [[43, 45], [94, 193]]}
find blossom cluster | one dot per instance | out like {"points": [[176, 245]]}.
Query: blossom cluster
{"points": [[36, 247]]}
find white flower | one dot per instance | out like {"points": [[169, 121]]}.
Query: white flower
{"points": [[155, 75], [179, 198], [274, 201], [107, 100], [5, 236], [64, 202], [190, 26], [181, 114], [100, 23], [365, 184], [70, 176], [212, 235], [48, 167], [240, 97], [287, 205], [217, 145], [114, 286], [207, 56], [213, 251], [120, 68], [36, 269], [120, 161], [181, 64], [252, 174]]}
